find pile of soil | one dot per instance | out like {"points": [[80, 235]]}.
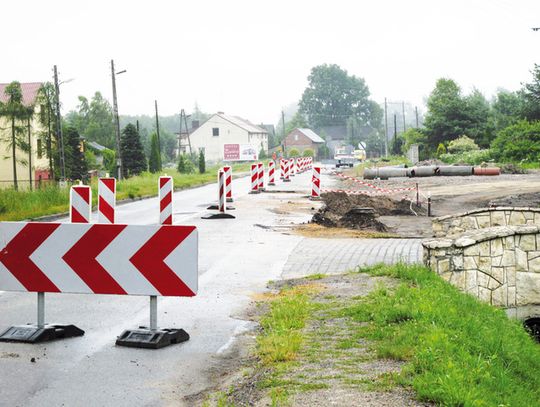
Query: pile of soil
{"points": [[531, 200], [358, 211]]}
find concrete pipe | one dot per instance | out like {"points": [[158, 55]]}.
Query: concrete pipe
{"points": [[487, 171], [456, 170], [384, 172], [423, 171]]}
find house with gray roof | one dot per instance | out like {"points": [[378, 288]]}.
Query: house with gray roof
{"points": [[303, 139]]}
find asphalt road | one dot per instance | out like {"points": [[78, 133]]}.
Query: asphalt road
{"points": [[236, 259]]}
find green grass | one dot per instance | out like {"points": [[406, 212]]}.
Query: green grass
{"points": [[50, 200], [458, 351]]}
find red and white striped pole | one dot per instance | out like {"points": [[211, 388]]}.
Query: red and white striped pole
{"points": [[165, 200], [106, 199], [287, 166], [316, 183], [271, 175], [80, 204], [228, 183], [222, 201], [292, 166], [254, 179], [261, 176], [281, 168]]}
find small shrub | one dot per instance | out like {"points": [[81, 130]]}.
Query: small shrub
{"points": [[308, 152], [202, 162], [293, 152], [520, 141], [185, 165], [441, 149], [461, 145]]}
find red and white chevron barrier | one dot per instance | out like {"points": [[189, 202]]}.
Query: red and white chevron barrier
{"points": [[292, 167], [287, 168], [106, 200], [271, 173], [222, 201], [165, 200], [261, 176], [99, 259], [254, 179], [80, 203], [228, 182], [316, 183], [282, 168]]}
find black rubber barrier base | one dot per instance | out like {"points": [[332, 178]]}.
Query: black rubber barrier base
{"points": [[34, 334], [229, 200], [286, 180], [218, 216], [271, 184], [215, 208], [255, 192], [145, 338]]}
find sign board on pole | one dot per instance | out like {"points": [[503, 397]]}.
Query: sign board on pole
{"points": [[99, 258], [239, 152]]}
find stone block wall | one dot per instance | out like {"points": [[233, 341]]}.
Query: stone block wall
{"points": [[499, 265], [454, 225]]}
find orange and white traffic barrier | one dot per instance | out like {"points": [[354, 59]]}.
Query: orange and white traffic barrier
{"points": [[254, 179], [106, 200], [228, 182], [80, 204], [287, 167], [261, 176], [271, 172], [165, 200], [316, 183]]}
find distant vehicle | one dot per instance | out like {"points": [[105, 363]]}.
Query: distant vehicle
{"points": [[343, 158]]}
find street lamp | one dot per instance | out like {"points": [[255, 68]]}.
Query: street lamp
{"points": [[116, 121]]}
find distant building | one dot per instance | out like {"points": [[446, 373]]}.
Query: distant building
{"points": [[39, 165], [303, 139], [98, 151], [335, 137], [222, 129]]}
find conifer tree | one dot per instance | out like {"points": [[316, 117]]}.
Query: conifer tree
{"points": [[133, 158], [154, 161], [76, 167]]}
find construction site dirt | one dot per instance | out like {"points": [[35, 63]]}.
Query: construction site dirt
{"points": [[399, 214]]}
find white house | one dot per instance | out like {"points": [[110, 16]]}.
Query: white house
{"points": [[222, 129]]}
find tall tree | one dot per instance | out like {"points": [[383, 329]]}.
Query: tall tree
{"points": [[94, 119], [153, 160], [297, 121], [47, 118], [76, 167], [332, 96], [479, 119], [133, 158], [508, 108], [531, 94], [16, 113]]}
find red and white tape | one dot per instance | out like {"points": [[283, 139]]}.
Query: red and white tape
{"points": [[381, 190]]}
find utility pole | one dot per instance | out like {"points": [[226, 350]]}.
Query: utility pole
{"points": [[416, 112], [116, 124], [385, 129], [283, 131], [138, 128], [395, 129], [29, 153], [59, 129], [403, 112], [158, 138]]}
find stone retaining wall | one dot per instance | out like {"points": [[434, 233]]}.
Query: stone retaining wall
{"points": [[499, 265], [454, 225]]}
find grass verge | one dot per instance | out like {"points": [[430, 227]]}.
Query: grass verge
{"points": [[388, 334], [50, 200]]}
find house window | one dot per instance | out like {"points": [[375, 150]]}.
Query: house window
{"points": [[296, 137], [215, 131], [39, 148]]}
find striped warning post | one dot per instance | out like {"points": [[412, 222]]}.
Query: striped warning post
{"points": [[222, 201], [316, 183], [271, 172], [80, 203], [228, 182], [261, 176], [292, 166], [281, 168], [165, 200], [254, 179], [106, 199], [287, 167]]}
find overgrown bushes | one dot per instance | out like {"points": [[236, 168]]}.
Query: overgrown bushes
{"points": [[518, 142]]}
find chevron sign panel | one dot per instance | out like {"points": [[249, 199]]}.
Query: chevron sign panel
{"points": [[99, 258]]}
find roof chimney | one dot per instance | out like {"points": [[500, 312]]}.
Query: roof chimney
{"points": [[194, 124], [220, 112]]}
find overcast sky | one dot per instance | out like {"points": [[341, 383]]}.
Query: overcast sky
{"points": [[251, 58]]}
